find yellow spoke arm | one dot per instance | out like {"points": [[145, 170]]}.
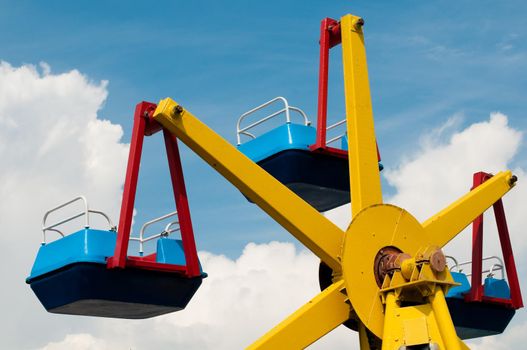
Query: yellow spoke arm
{"points": [[365, 181], [311, 228], [449, 222], [322, 314]]}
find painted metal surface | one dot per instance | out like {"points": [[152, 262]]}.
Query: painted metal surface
{"points": [[130, 186], [329, 37], [90, 289], [285, 137], [449, 222], [95, 246], [319, 316], [86, 245], [496, 288], [320, 179], [370, 231], [86, 213], [180, 196], [286, 110], [463, 288], [170, 251], [365, 181]]}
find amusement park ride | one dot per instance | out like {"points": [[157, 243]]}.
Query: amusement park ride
{"points": [[386, 276]]}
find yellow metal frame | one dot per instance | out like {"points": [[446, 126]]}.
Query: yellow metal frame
{"points": [[334, 305]]}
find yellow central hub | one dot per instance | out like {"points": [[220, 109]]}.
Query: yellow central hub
{"points": [[371, 230]]}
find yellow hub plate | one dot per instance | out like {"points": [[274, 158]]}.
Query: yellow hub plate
{"points": [[371, 230]]}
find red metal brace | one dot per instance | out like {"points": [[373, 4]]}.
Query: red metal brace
{"points": [[329, 37], [476, 290], [145, 126]]}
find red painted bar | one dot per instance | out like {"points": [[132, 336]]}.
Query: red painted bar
{"points": [[323, 84], [130, 187], [508, 256], [140, 263], [180, 195], [476, 289]]}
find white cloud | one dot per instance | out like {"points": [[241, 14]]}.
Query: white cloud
{"points": [[80, 341], [441, 172], [52, 147]]}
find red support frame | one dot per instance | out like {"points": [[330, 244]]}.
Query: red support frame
{"points": [[145, 126], [330, 36], [476, 290]]}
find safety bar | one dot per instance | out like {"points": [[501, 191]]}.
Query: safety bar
{"points": [[333, 126], [453, 259], [494, 267], [84, 213], [166, 232], [287, 108]]}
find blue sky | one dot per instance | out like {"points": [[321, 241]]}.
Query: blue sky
{"points": [[427, 62], [433, 65]]}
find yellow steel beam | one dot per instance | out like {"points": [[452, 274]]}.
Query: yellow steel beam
{"points": [[310, 227], [322, 314], [449, 222], [365, 181], [444, 321], [391, 333]]}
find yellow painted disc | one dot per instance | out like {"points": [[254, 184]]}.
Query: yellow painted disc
{"points": [[371, 230]]}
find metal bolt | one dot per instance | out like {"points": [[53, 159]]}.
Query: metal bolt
{"points": [[178, 109], [359, 23], [513, 180]]}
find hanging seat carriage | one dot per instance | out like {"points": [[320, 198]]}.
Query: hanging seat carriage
{"points": [[289, 152], [488, 316], [89, 272], [321, 179]]}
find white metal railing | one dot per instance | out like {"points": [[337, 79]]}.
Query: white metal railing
{"points": [[339, 136], [86, 213], [169, 229], [498, 266], [287, 108], [456, 263]]}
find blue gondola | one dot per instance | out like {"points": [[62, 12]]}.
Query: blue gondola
{"points": [[320, 178], [70, 275], [478, 319]]}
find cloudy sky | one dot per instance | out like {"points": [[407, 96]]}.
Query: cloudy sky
{"points": [[448, 86]]}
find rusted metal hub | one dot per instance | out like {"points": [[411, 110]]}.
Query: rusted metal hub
{"points": [[385, 263], [438, 260]]}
